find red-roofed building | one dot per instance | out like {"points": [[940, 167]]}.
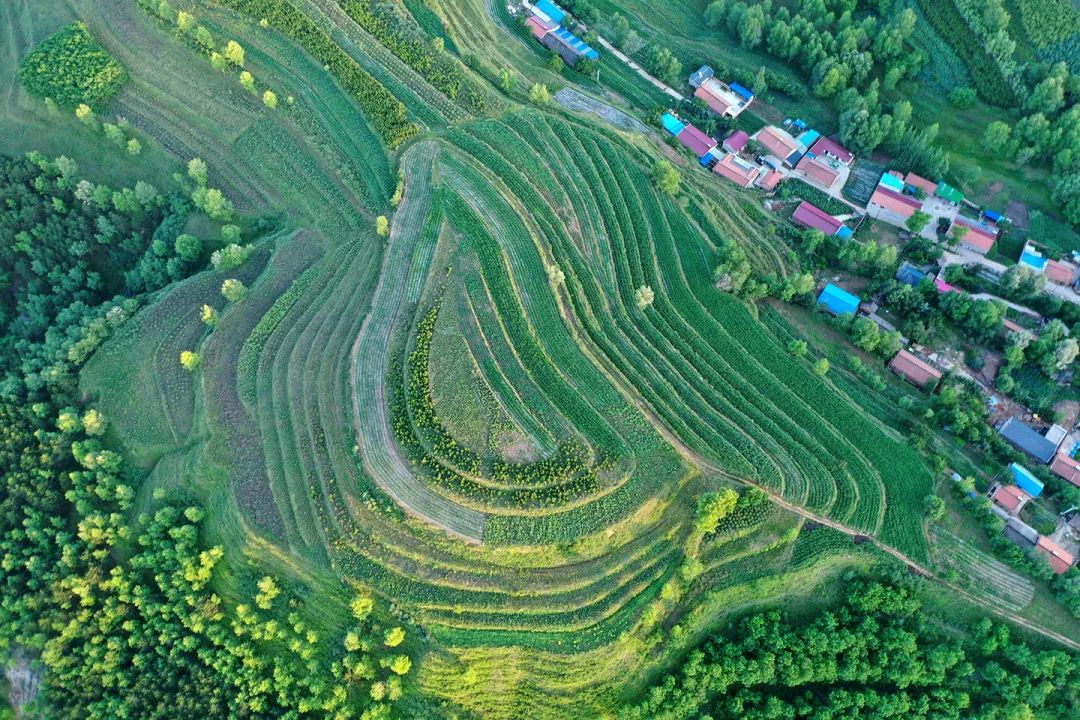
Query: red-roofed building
{"points": [[1066, 468], [1062, 273], [778, 143], [770, 180], [915, 370], [736, 141], [720, 98], [979, 239], [892, 207], [738, 171], [816, 218], [943, 287], [825, 146], [920, 182], [539, 28], [696, 141], [1010, 498], [1060, 559], [818, 173]]}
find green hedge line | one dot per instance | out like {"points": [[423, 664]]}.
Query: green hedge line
{"points": [[386, 113]]}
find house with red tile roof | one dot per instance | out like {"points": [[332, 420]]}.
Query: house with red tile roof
{"points": [[770, 180], [721, 98], [818, 173], [736, 141], [892, 207], [779, 143], [539, 28], [738, 171], [1060, 559], [978, 237], [915, 370], [1066, 468], [1059, 272], [825, 146], [816, 218], [927, 186], [1010, 498]]}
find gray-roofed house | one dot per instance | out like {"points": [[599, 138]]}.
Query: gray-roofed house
{"points": [[1028, 440], [703, 74], [1021, 533]]}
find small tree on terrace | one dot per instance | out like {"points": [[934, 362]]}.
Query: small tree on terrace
{"points": [[643, 297], [233, 290], [197, 170], [190, 360], [234, 53], [666, 177], [797, 348], [382, 226], [917, 221], [714, 507], [270, 99], [539, 94], [821, 367]]}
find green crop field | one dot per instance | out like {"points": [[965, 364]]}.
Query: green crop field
{"points": [[434, 458]]}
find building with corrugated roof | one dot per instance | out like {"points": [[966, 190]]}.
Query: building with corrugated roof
{"points": [[948, 193], [736, 141], [1021, 533], [770, 180], [915, 370], [838, 301], [695, 140], [814, 217], [721, 98], [1066, 468], [916, 181], [1025, 480], [1028, 440], [888, 205], [910, 274], [1060, 272]]}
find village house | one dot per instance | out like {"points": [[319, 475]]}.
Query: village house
{"points": [[1027, 440], [1066, 468], [1060, 559], [736, 141], [917, 182], [838, 301], [818, 173], [888, 205], [723, 99], [824, 147], [779, 144], [1009, 498], [815, 218], [915, 370], [770, 180], [979, 237], [736, 170]]}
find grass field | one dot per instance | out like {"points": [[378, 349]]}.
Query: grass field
{"points": [[527, 233]]}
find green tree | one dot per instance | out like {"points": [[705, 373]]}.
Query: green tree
{"points": [[209, 316], [190, 360], [93, 423], [268, 590], [865, 333], [188, 247], [234, 53], [197, 170], [643, 297], [714, 507], [134, 147], [247, 81], [269, 99], [798, 348], [663, 64], [821, 367], [996, 136], [963, 97], [539, 95], [382, 226], [666, 177], [917, 222], [233, 290], [507, 80], [204, 38], [394, 637]]}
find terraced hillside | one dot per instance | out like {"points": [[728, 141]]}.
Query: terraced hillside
{"points": [[471, 416]]}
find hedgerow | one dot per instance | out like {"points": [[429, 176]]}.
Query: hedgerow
{"points": [[71, 68], [988, 76], [386, 113], [408, 43]]}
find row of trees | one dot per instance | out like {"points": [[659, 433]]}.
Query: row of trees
{"points": [[875, 655]]}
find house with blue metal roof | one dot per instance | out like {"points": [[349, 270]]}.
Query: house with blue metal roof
{"points": [[909, 274], [672, 124], [742, 92], [550, 11], [838, 301], [1025, 480], [1033, 258], [569, 46]]}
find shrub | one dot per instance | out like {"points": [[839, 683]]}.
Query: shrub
{"points": [[71, 68]]}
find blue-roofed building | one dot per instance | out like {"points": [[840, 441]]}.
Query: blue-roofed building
{"points": [[549, 10], [1033, 259], [568, 45], [808, 138], [892, 182], [838, 301], [672, 124], [1025, 480], [992, 216], [845, 233], [709, 158], [909, 274], [741, 91]]}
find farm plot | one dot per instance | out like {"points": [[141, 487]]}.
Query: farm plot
{"points": [[980, 573]]}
